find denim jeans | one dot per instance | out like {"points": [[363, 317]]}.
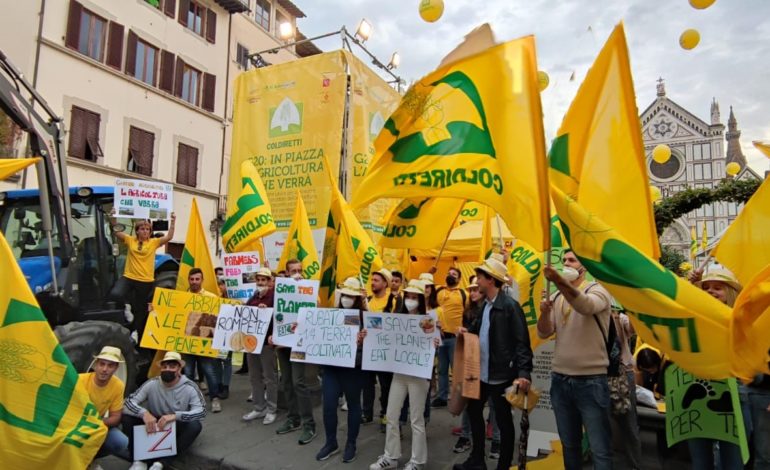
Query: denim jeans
{"points": [[445, 353], [212, 370], [580, 401], [116, 443], [186, 433], [337, 380], [466, 431], [293, 385], [758, 403], [504, 418], [705, 455], [227, 369], [370, 383]]}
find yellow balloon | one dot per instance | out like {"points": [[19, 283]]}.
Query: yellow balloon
{"points": [[661, 153], [689, 39], [431, 10], [701, 4], [655, 194], [542, 80], [732, 168]]}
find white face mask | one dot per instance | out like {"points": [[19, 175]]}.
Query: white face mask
{"points": [[411, 304], [296, 277], [347, 302], [261, 290], [569, 274]]}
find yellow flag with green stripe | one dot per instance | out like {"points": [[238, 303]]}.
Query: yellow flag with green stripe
{"points": [[693, 243], [328, 283], [420, 223], [250, 217], [300, 245], [471, 130], [750, 323], [598, 156], [356, 254], [196, 254], [46, 418], [486, 247]]}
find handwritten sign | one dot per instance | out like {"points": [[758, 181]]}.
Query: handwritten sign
{"points": [[327, 336], [241, 328], [156, 445], [142, 199], [240, 274], [290, 296], [183, 322], [400, 343], [703, 408]]}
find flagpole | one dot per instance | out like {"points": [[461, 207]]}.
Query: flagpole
{"points": [[446, 239], [500, 233]]}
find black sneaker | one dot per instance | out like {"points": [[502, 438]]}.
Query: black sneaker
{"points": [[225, 392], [366, 419], [350, 453], [327, 451], [494, 451], [463, 445], [438, 403], [470, 464]]}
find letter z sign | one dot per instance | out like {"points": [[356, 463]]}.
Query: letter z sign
{"points": [[155, 445]]}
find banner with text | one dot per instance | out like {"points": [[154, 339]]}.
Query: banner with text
{"points": [[288, 122], [400, 343], [327, 336], [240, 274], [183, 322], [290, 296], [142, 199], [703, 408], [241, 328]]}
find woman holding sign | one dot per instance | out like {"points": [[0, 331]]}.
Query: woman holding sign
{"points": [[404, 386], [338, 380]]}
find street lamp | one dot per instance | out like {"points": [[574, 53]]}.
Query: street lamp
{"points": [[364, 30], [286, 31], [395, 61]]}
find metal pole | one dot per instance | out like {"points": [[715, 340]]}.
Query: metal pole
{"points": [[446, 239]]}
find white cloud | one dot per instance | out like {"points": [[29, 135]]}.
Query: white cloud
{"points": [[729, 63]]}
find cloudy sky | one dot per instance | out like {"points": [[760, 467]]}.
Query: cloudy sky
{"points": [[730, 63]]}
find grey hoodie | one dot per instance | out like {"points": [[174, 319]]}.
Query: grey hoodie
{"points": [[184, 400]]}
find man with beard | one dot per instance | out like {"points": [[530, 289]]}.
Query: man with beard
{"points": [[451, 300]]}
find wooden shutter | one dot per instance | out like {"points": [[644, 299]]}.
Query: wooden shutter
{"points": [[77, 132], [131, 53], [178, 77], [181, 164], [115, 45], [192, 167], [184, 8], [93, 120], [73, 25], [169, 8], [211, 26], [209, 91], [141, 145], [166, 82]]}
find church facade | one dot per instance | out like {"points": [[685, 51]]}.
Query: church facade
{"points": [[700, 151]]}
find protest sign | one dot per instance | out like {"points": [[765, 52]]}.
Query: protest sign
{"points": [[290, 296], [183, 322], [327, 336], [400, 343], [156, 445], [703, 408], [142, 199], [241, 328], [240, 274]]}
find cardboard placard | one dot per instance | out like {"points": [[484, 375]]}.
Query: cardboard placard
{"points": [[327, 336], [156, 445], [241, 328], [400, 343], [290, 296], [240, 274], [142, 199]]}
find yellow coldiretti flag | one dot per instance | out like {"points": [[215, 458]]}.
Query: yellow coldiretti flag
{"points": [[598, 157], [557, 235], [420, 223], [693, 242], [356, 254], [472, 130], [196, 254], [328, 283], [745, 247], [763, 147], [668, 312], [704, 241], [300, 245], [750, 323], [46, 417], [249, 217], [525, 266], [11, 166], [486, 246]]}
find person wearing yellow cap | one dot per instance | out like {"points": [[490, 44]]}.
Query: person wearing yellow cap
{"points": [[171, 397], [106, 392], [505, 360]]}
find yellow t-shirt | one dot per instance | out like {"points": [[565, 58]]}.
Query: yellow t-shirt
{"points": [[140, 264], [378, 304], [107, 398], [451, 303]]}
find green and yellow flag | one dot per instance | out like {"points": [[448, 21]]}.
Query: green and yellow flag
{"points": [[525, 266], [486, 247], [749, 325], [46, 419], [470, 130], [196, 254], [249, 217], [420, 223], [300, 245], [693, 243], [328, 283], [704, 241], [598, 156]]}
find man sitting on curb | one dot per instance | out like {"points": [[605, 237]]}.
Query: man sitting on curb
{"points": [[163, 400], [106, 392]]}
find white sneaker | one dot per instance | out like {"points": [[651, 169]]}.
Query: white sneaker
{"points": [[216, 406], [250, 399], [254, 414], [384, 463], [202, 386], [156, 466], [138, 466], [269, 418], [412, 466], [343, 404]]}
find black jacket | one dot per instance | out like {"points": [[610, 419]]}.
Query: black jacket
{"points": [[510, 355]]}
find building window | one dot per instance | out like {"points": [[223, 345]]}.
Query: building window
{"points": [[709, 210], [86, 32], [146, 62], [141, 151], [84, 135], [706, 151], [696, 152], [187, 165], [195, 17], [191, 83], [242, 57], [262, 14]]}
